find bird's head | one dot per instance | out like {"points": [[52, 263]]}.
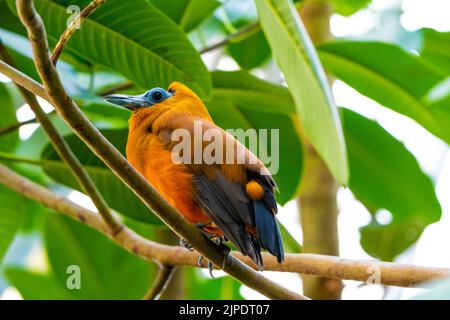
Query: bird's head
{"points": [[177, 97]]}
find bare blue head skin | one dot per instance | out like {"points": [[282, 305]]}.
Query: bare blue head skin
{"points": [[150, 98]]}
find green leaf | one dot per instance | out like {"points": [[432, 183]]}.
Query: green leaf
{"points": [[199, 287], [385, 175], [12, 212], [251, 51], [389, 75], [244, 101], [133, 38], [22, 62], [8, 117], [116, 194], [252, 93], [35, 286], [188, 14], [105, 268], [348, 7], [436, 49], [307, 82], [9, 21], [11, 204]]}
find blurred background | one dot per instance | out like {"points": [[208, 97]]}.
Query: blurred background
{"points": [[400, 22]]}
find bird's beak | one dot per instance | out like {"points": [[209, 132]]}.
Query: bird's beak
{"points": [[130, 102]]}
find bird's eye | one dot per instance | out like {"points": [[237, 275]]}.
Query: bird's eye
{"points": [[157, 96]]}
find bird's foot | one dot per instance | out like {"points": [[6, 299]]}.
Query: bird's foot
{"points": [[210, 265], [218, 240], [186, 244]]}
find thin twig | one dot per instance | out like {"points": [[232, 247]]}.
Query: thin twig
{"points": [[64, 151], [67, 34], [388, 273], [117, 88], [16, 126], [233, 37], [160, 283], [78, 122]]}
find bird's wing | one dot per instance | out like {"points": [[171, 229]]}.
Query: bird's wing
{"points": [[230, 209], [221, 192]]}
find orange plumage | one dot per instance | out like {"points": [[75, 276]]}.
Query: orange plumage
{"points": [[231, 199]]}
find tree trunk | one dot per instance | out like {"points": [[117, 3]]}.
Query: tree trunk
{"points": [[317, 200]]}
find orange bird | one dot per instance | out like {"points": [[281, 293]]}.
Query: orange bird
{"points": [[229, 199]]}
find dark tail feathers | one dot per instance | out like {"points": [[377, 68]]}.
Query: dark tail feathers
{"points": [[268, 231]]}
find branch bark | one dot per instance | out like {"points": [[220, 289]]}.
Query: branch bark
{"points": [[65, 37], [65, 153], [161, 282], [78, 122], [324, 266]]}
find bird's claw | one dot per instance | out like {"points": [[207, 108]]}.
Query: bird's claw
{"points": [[186, 244], [210, 265]]}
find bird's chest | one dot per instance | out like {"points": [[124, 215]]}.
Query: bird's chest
{"points": [[173, 181]]}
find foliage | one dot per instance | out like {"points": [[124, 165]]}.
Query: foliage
{"points": [[151, 43]]}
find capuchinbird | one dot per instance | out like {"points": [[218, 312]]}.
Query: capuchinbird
{"points": [[229, 199]]}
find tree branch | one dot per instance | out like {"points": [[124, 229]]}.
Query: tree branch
{"points": [[233, 37], [20, 78], [65, 37], [15, 126], [162, 280], [65, 153], [116, 89], [324, 266], [70, 112]]}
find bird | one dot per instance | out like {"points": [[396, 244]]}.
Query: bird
{"points": [[229, 200]]}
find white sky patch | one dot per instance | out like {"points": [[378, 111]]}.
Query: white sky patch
{"points": [[428, 149], [4, 79], [289, 217], [290, 281], [82, 199], [11, 294], [383, 217], [25, 113], [341, 26], [426, 14]]}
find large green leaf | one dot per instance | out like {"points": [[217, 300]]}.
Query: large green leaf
{"points": [[116, 194], [385, 175], [297, 59], [200, 287], [107, 270], [244, 101], [389, 75], [12, 212], [188, 14], [8, 117], [436, 49], [251, 51], [11, 204], [21, 62], [133, 38], [348, 7], [36, 286]]}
